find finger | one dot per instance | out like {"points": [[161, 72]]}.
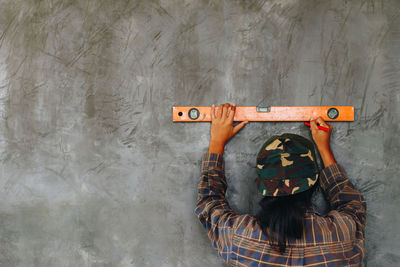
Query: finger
{"points": [[313, 125], [238, 127], [219, 111], [225, 110], [232, 113], [212, 112], [321, 122]]}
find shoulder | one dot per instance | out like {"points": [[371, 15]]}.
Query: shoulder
{"points": [[333, 227], [245, 225]]}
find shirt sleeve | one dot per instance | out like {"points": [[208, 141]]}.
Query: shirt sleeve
{"points": [[343, 196], [212, 208]]}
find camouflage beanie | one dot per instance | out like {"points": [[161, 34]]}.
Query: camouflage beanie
{"points": [[286, 165]]}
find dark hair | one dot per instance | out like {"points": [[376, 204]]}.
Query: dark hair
{"points": [[281, 218]]}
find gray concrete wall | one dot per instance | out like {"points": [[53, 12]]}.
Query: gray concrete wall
{"points": [[94, 172]]}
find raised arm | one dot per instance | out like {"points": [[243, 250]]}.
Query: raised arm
{"points": [[342, 194], [212, 208], [322, 140]]}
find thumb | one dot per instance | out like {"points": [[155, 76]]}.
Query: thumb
{"points": [[238, 127], [313, 125]]}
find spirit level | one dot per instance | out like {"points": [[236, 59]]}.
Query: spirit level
{"points": [[273, 113]]}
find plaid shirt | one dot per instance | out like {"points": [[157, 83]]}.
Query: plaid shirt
{"points": [[333, 240]]}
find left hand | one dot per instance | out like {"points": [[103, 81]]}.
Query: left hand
{"points": [[222, 124]]}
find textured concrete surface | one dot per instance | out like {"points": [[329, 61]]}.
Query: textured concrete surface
{"points": [[94, 172]]}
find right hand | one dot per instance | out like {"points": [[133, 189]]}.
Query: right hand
{"points": [[321, 138]]}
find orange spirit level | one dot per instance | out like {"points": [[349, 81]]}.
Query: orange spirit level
{"points": [[298, 113]]}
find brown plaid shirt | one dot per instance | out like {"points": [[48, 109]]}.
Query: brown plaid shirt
{"points": [[333, 240]]}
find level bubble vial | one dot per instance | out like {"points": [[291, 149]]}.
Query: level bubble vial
{"points": [[194, 113], [333, 113]]}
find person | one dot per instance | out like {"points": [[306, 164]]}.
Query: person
{"points": [[287, 231]]}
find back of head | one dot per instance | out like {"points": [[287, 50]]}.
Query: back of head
{"points": [[287, 178], [281, 218]]}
